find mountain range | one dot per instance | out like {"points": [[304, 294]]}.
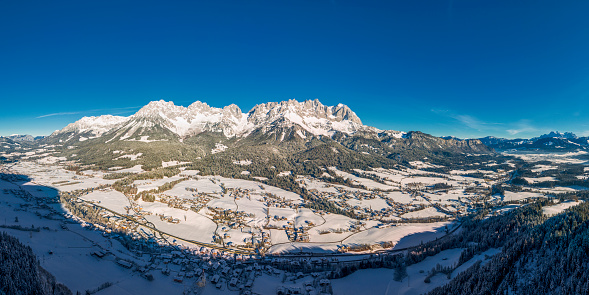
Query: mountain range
{"points": [[287, 134], [311, 118], [271, 129]]}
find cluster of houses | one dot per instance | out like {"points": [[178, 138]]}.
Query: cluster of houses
{"points": [[227, 217], [203, 266], [169, 219], [272, 200], [195, 203], [296, 234]]}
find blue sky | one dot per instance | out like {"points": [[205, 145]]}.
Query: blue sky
{"points": [[463, 68]]}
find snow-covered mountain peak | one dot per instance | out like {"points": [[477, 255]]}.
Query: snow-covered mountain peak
{"points": [[311, 115], [196, 118], [200, 107], [96, 125], [233, 110], [159, 108], [308, 108], [343, 112], [557, 134]]}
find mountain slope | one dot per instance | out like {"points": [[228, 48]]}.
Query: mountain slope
{"points": [[86, 128], [20, 272], [543, 256]]}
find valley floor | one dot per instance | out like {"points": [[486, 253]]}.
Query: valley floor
{"points": [[213, 235]]}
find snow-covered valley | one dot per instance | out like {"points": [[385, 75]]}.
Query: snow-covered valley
{"points": [[213, 234]]}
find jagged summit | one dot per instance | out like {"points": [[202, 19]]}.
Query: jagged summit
{"points": [[305, 109], [196, 118], [311, 115], [156, 108]]}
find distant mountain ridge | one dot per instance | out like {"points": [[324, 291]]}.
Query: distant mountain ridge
{"points": [[25, 137], [553, 141], [556, 134]]}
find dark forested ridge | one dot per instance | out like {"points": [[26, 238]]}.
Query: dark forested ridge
{"points": [[539, 255], [20, 272]]}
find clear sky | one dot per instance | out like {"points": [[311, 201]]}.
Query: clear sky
{"points": [[466, 68]]}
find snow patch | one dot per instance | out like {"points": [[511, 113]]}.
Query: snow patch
{"points": [[219, 147], [559, 208], [243, 162]]}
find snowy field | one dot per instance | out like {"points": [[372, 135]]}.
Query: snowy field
{"points": [[67, 252], [325, 232], [427, 212], [396, 233], [511, 196], [557, 158], [109, 199], [559, 208], [380, 281]]}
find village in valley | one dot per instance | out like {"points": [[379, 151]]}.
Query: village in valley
{"points": [[211, 234]]}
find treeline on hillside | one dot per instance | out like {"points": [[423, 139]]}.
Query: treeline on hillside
{"points": [[148, 196], [417, 149], [127, 187], [452, 161], [318, 203], [102, 156], [20, 272], [270, 166], [338, 156], [564, 174], [548, 256], [480, 234], [116, 175], [534, 250]]}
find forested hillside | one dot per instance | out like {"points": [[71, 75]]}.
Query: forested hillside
{"points": [[539, 256], [20, 272]]}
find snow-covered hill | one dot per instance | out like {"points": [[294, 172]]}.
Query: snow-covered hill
{"points": [[93, 125]]}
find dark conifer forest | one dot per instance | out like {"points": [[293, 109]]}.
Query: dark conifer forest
{"points": [[539, 255], [20, 272]]}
